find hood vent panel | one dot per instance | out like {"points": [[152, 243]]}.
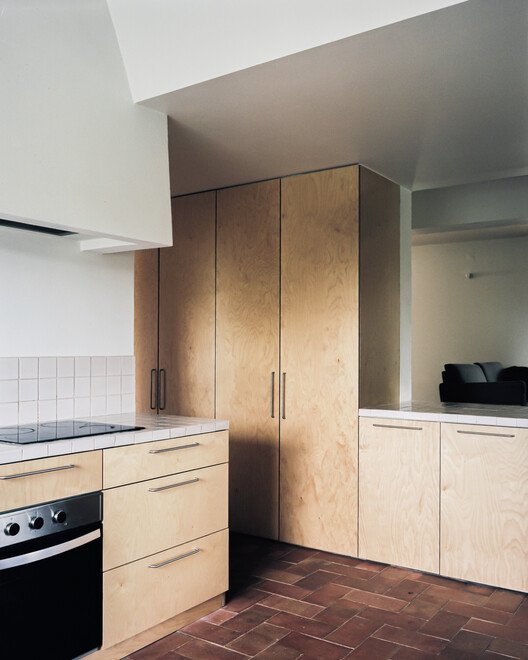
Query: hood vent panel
{"points": [[35, 228]]}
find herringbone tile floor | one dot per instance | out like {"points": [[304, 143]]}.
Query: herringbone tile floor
{"points": [[287, 602]]}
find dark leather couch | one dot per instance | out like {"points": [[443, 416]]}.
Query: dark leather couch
{"points": [[484, 382]]}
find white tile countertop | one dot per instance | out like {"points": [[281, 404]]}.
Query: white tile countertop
{"points": [[156, 427], [455, 413]]}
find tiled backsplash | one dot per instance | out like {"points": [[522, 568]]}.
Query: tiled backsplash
{"points": [[49, 388]]}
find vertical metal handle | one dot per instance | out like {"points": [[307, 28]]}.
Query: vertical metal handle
{"points": [[273, 394], [283, 395], [162, 384], [153, 389]]}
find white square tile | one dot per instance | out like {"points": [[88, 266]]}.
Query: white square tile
{"points": [[8, 368], [83, 444], [98, 406], [161, 434], [47, 411], [113, 366], [124, 439], [65, 367], [64, 388], [27, 412], [48, 367], [10, 454], [37, 450], [82, 367], [128, 384], [81, 407], [143, 436], [98, 366], [65, 409], [128, 365], [222, 425], [60, 447], [47, 388], [113, 385], [81, 386], [8, 414], [98, 386], [128, 403], [8, 391], [104, 441], [113, 405], [28, 367], [28, 390], [178, 431]]}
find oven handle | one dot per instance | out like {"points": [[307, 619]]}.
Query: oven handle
{"points": [[45, 553]]}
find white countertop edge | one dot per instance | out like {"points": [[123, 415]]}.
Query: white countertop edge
{"points": [[446, 418]]}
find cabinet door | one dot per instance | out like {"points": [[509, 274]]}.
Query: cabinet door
{"points": [[484, 505], [187, 309], [248, 350], [319, 357], [146, 328], [399, 486]]}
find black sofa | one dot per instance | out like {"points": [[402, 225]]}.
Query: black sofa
{"points": [[484, 382]]}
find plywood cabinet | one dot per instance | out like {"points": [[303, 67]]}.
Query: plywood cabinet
{"points": [[484, 505], [399, 482]]}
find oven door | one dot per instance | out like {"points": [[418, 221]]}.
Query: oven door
{"points": [[51, 596]]}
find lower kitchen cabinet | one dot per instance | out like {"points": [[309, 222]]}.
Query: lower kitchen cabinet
{"points": [[484, 505], [399, 480], [144, 593]]}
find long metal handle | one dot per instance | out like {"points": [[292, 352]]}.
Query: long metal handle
{"points": [[19, 475], [394, 426], [153, 389], [495, 435], [194, 551], [163, 451], [38, 555], [273, 395], [182, 483], [161, 389], [283, 395]]}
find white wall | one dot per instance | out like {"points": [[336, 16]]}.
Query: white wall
{"points": [[467, 320], [405, 295], [76, 152], [55, 301], [171, 44]]}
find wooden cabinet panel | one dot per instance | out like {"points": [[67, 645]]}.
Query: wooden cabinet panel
{"points": [[137, 596], [85, 476], [484, 505], [187, 309], [399, 485], [146, 327], [319, 355], [126, 465], [144, 518], [248, 350]]}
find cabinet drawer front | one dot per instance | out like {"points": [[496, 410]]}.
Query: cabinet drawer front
{"points": [[399, 482], [126, 465], [145, 518], [146, 592], [43, 480]]}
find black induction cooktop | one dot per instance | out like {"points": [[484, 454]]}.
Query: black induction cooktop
{"points": [[64, 430]]}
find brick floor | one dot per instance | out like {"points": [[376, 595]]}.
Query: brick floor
{"points": [[287, 603]]}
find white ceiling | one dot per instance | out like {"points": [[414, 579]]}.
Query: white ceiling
{"points": [[437, 100]]}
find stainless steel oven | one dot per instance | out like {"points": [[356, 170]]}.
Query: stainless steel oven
{"points": [[51, 580]]}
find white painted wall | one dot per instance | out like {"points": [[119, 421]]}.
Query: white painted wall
{"points": [[55, 301], [467, 320], [171, 44], [76, 152]]}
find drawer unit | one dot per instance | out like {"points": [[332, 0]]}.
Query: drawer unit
{"points": [[125, 465], [148, 517], [399, 482], [146, 592], [484, 505], [43, 480]]}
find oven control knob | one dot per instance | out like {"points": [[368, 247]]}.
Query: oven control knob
{"points": [[11, 529], [59, 517], [37, 522]]}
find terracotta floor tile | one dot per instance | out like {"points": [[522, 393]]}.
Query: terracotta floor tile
{"points": [[470, 642], [316, 580], [459, 595], [279, 652], [505, 600], [509, 648], [298, 554], [513, 633], [288, 590], [371, 566], [396, 619], [444, 624], [401, 573], [250, 618], [245, 599], [354, 631], [292, 605], [338, 559], [219, 616], [406, 653], [308, 566], [373, 648], [412, 638], [425, 605], [378, 584], [168, 643], [351, 571], [406, 589], [302, 625], [210, 632], [477, 612], [316, 648], [279, 575], [339, 612], [197, 649], [376, 600], [441, 581], [258, 639], [327, 595]]}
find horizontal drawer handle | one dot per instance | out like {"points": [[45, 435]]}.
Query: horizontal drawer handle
{"points": [[162, 451], [194, 551], [393, 426], [495, 435], [19, 475], [182, 483]]}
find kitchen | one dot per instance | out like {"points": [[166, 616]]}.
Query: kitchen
{"points": [[207, 447]]}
